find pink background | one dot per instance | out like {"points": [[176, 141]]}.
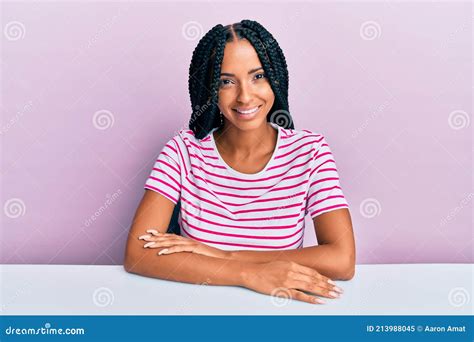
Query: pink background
{"points": [[91, 91]]}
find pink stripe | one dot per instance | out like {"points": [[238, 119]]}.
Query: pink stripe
{"points": [[243, 236], [213, 165], [321, 190], [290, 161], [239, 211], [171, 147], [240, 244], [290, 226], [252, 180], [303, 137], [241, 204], [182, 158], [329, 169], [331, 207], [163, 172], [296, 149], [167, 184], [164, 193], [199, 147], [323, 180], [322, 200], [242, 219], [173, 159], [317, 167], [167, 164]]}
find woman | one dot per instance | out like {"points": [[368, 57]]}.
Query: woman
{"points": [[245, 179]]}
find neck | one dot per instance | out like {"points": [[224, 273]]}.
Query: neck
{"points": [[246, 143]]}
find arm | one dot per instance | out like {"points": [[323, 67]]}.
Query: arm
{"points": [[155, 212], [334, 256]]}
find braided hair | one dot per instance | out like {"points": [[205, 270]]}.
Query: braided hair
{"points": [[205, 69]]}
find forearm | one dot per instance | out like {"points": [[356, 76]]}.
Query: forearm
{"points": [[188, 268], [326, 259]]}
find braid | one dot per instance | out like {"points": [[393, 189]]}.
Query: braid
{"points": [[205, 68]]}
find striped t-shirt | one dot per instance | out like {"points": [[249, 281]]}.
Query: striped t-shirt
{"points": [[231, 210]]}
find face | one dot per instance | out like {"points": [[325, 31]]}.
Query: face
{"points": [[245, 94]]}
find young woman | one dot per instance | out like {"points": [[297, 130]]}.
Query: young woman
{"points": [[244, 179]]}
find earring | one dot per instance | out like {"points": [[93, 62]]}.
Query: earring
{"points": [[222, 118]]}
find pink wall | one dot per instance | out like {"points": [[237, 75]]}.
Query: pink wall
{"points": [[91, 91]]}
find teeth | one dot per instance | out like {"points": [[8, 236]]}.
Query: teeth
{"points": [[248, 111]]}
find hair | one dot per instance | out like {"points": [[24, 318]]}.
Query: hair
{"points": [[205, 69]]}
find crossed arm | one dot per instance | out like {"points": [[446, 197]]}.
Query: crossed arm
{"points": [[333, 258]]}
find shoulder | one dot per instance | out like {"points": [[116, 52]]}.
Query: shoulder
{"points": [[302, 137]]}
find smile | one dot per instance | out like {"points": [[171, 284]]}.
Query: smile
{"points": [[249, 111]]}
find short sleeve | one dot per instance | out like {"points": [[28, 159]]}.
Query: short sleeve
{"points": [[165, 177], [325, 192]]}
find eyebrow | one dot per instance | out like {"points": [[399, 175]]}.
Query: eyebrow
{"points": [[250, 72]]}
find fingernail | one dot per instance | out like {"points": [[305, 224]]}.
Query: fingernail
{"points": [[163, 251], [317, 300], [331, 282], [334, 294], [155, 232], [338, 289], [149, 244], [144, 237]]}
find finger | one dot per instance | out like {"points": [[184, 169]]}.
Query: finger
{"points": [[155, 232], [301, 296], [312, 272], [157, 238], [176, 249], [315, 281], [311, 287], [154, 244]]}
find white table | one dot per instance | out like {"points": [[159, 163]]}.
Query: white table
{"points": [[390, 289]]}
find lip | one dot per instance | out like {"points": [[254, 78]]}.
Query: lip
{"points": [[247, 116]]}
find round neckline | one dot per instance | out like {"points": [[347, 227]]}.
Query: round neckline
{"points": [[216, 151]]}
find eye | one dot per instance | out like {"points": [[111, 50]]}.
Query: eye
{"points": [[224, 82], [257, 76]]}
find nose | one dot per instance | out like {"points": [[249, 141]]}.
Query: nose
{"points": [[245, 93]]}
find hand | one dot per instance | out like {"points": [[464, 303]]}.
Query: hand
{"points": [[175, 243], [289, 279]]}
